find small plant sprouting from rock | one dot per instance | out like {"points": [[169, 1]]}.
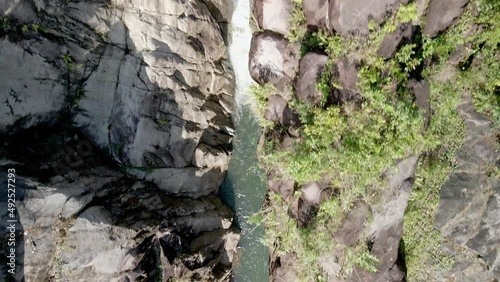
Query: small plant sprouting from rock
{"points": [[4, 23], [163, 122], [67, 59]]}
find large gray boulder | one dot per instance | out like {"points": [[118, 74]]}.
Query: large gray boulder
{"points": [[278, 111], [349, 17], [273, 15], [89, 222], [273, 60], [311, 67], [393, 40], [316, 13], [441, 14]]}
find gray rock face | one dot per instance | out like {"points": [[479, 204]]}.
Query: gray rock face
{"points": [[468, 211], [148, 82], [421, 91], [441, 14], [346, 74], [387, 226], [91, 223], [312, 65], [273, 15], [352, 16], [32, 91], [273, 60], [393, 40], [316, 13], [279, 111], [152, 91]]}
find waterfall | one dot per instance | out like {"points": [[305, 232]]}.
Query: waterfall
{"points": [[244, 187]]}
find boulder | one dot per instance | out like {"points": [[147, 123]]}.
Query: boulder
{"points": [[280, 185], [312, 65], [278, 111], [273, 15], [273, 60], [393, 40], [349, 17], [441, 14], [345, 74], [421, 92], [316, 13]]}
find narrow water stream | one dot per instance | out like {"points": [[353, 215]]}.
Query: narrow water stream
{"points": [[244, 188]]}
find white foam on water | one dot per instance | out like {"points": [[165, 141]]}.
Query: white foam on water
{"points": [[239, 49]]}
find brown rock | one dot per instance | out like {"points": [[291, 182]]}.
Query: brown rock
{"points": [[394, 39]]}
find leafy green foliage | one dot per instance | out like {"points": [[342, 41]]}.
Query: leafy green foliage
{"points": [[4, 23], [260, 94], [67, 59], [483, 80], [298, 28], [407, 13]]}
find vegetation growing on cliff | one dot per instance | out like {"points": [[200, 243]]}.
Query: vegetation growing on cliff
{"points": [[351, 144]]}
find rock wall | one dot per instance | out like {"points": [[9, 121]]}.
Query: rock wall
{"points": [[149, 84]]}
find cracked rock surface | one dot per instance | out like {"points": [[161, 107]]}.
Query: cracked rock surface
{"points": [[116, 116]]}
